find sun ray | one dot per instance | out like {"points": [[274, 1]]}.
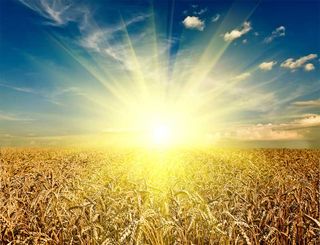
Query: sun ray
{"points": [[113, 88]]}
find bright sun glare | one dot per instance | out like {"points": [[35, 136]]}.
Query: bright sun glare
{"points": [[168, 129], [161, 134]]}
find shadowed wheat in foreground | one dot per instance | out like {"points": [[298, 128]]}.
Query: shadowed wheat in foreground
{"points": [[143, 197]]}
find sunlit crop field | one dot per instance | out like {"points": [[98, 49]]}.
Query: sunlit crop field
{"points": [[159, 197]]}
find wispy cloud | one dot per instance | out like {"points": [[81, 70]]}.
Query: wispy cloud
{"points": [[215, 18], [242, 76], [295, 64], [58, 12], [237, 33], [99, 40], [307, 103], [193, 22], [12, 117], [278, 32], [293, 130], [19, 89], [92, 38], [200, 11], [264, 132], [267, 66]]}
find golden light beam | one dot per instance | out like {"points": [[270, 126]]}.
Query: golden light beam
{"points": [[136, 72], [111, 84]]}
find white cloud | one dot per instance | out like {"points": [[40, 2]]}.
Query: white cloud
{"points": [[193, 22], [245, 41], [267, 66], [278, 32], [215, 18], [242, 76], [307, 103], [309, 67], [236, 33], [295, 64]]}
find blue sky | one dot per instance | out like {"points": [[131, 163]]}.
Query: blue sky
{"points": [[234, 73]]}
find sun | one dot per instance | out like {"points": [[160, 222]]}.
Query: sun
{"points": [[161, 134], [168, 129]]}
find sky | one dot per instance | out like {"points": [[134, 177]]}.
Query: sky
{"points": [[223, 73]]}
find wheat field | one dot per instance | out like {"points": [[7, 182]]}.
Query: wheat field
{"points": [[203, 196]]}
